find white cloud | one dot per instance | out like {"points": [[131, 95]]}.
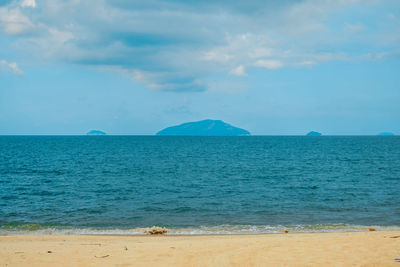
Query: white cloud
{"points": [[60, 36], [138, 76], [10, 67], [217, 56], [268, 64], [239, 71], [375, 56], [307, 63], [28, 3], [161, 81], [13, 21]]}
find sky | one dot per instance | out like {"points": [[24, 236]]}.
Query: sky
{"points": [[135, 67]]}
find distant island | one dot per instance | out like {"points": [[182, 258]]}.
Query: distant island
{"points": [[96, 132], [312, 133], [204, 128], [386, 134]]}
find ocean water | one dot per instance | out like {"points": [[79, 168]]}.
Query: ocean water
{"points": [[198, 185]]}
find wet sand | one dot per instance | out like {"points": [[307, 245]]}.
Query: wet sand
{"points": [[379, 248]]}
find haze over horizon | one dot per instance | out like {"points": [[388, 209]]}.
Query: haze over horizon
{"points": [[270, 67]]}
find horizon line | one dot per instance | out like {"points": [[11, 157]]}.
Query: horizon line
{"points": [[199, 135]]}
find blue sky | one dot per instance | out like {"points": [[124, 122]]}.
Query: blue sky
{"points": [[135, 67]]}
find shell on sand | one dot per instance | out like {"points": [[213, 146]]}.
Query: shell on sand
{"points": [[284, 231]]}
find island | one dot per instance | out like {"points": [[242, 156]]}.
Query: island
{"points": [[96, 132], [312, 133], [204, 128], [386, 134]]}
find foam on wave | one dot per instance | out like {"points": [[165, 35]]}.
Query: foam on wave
{"points": [[35, 229]]}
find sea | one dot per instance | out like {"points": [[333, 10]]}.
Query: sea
{"points": [[198, 185]]}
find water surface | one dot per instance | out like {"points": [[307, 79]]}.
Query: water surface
{"points": [[115, 184]]}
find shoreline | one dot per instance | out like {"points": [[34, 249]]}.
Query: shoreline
{"points": [[36, 229], [196, 235], [363, 248]]}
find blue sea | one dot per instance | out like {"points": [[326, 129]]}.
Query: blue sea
{"points": [[198, 185]]}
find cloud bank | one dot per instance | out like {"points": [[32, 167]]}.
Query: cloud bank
{"points": [[176, 45]]}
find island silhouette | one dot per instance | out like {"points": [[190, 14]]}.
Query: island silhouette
{"points": [[204, 128], [95, 132], [313, 133], [386, 134]]}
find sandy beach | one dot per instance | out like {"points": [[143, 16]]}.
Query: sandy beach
{"points": [[292, 249]]}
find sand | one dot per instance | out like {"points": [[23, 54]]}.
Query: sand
{"points": [[305, 249]]}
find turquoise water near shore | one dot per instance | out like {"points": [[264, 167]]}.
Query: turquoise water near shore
{"points": [[198, 185]]}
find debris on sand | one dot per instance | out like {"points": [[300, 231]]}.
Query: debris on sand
{"points": [[155, 230], [371, 229], [105, 256]]}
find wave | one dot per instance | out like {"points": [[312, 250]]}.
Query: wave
{"points": [[37, 229]]}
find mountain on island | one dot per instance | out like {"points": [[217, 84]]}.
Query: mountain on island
{"points": [[386, 134], [96, 132], [312, 133], [204, 128]]}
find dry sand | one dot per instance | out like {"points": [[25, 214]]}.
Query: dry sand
{"points": [[314, 249]]}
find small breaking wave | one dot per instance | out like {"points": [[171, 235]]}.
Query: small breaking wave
{"points": [[37, 229]]}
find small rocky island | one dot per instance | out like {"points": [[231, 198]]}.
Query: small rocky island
{"points": [[204, 128], [95, 132], [386, 134], [312, 133]]}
